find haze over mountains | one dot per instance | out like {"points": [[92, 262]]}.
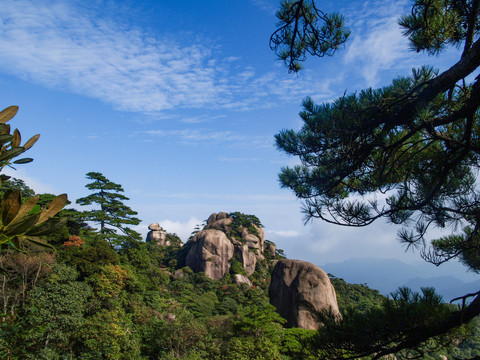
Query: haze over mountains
{"points": [[450, 280]]}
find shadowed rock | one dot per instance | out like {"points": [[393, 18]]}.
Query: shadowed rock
{"points": [[298, 290]]}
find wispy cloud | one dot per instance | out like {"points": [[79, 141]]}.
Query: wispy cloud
{"points": [[382, 47], [284, 233], [237, 159], [269, 6], [194, 136], [63, 46]]}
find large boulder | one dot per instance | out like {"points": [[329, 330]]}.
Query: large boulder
{"points": [[248, 246], [298, 290], [219, 221], [210, 252], [157, 235]]}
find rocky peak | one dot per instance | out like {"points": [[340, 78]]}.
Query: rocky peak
{"points": [[223, 237], [157, 235]]}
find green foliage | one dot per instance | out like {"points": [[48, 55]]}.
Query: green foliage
{"points": [[56, 312], [416, 142], [299, 343], [302, 29], [16, 184], [355, 296], [243, 221], [108, 334], [10, 146], [236, 266], [22, 221], [113, 214], [433, 25]]}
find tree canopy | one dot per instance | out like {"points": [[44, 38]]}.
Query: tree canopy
{"points": [[407, 152], [113, 214]]}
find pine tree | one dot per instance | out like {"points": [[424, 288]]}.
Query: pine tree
{"points": [[416, 142], [113, 214]]}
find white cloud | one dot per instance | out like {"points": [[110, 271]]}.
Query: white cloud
{"points": [[62, 46], [382, 47], [193, 136], [182, 229], [284, 233]]}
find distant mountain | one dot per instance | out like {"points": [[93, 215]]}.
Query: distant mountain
{"points": [[386, 275], [448, 286]]}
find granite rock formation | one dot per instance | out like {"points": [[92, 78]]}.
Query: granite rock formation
{"points": [[210, 252], [298, 290], [212, 248], [242, 279], [157, 235]]}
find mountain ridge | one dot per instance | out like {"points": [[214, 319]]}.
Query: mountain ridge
{"points": [[387, 275]]}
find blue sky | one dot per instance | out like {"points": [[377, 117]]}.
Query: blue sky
{"points": [[179, 102]]}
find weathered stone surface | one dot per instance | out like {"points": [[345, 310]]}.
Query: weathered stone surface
{"points": [[248, 245], [154, 226], [157, 235], [298, 289], [246, 257], [271, 249], [211, 252], [255, 241], [221, 215], [242, 279]]}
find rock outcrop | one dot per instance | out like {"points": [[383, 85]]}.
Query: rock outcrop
{"points": [[242, 279], [298, 290], [210, 252], [157, 235], [212, 248]]}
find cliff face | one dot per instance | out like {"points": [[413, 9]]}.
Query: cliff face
{"points": [[235, 243], [298, 290], [213, 248], [211, 252]]}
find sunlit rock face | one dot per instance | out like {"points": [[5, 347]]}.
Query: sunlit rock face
{"points": [[157, 235], [212, 248], [242, 279], [298, 290], [210, 252]]}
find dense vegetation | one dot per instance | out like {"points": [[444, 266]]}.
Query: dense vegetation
{"points": [[92, 299]]}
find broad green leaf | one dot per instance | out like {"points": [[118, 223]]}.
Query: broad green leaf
{"points": [[8, 113], [5, 129], [53, 208], [11, 204], [5, 138], [22, 226], [17, 138], [4, 238], [31, 141], [23, 161], [15, 243], [9, 154], [26, 208], [47, 227], [39, 243]]}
